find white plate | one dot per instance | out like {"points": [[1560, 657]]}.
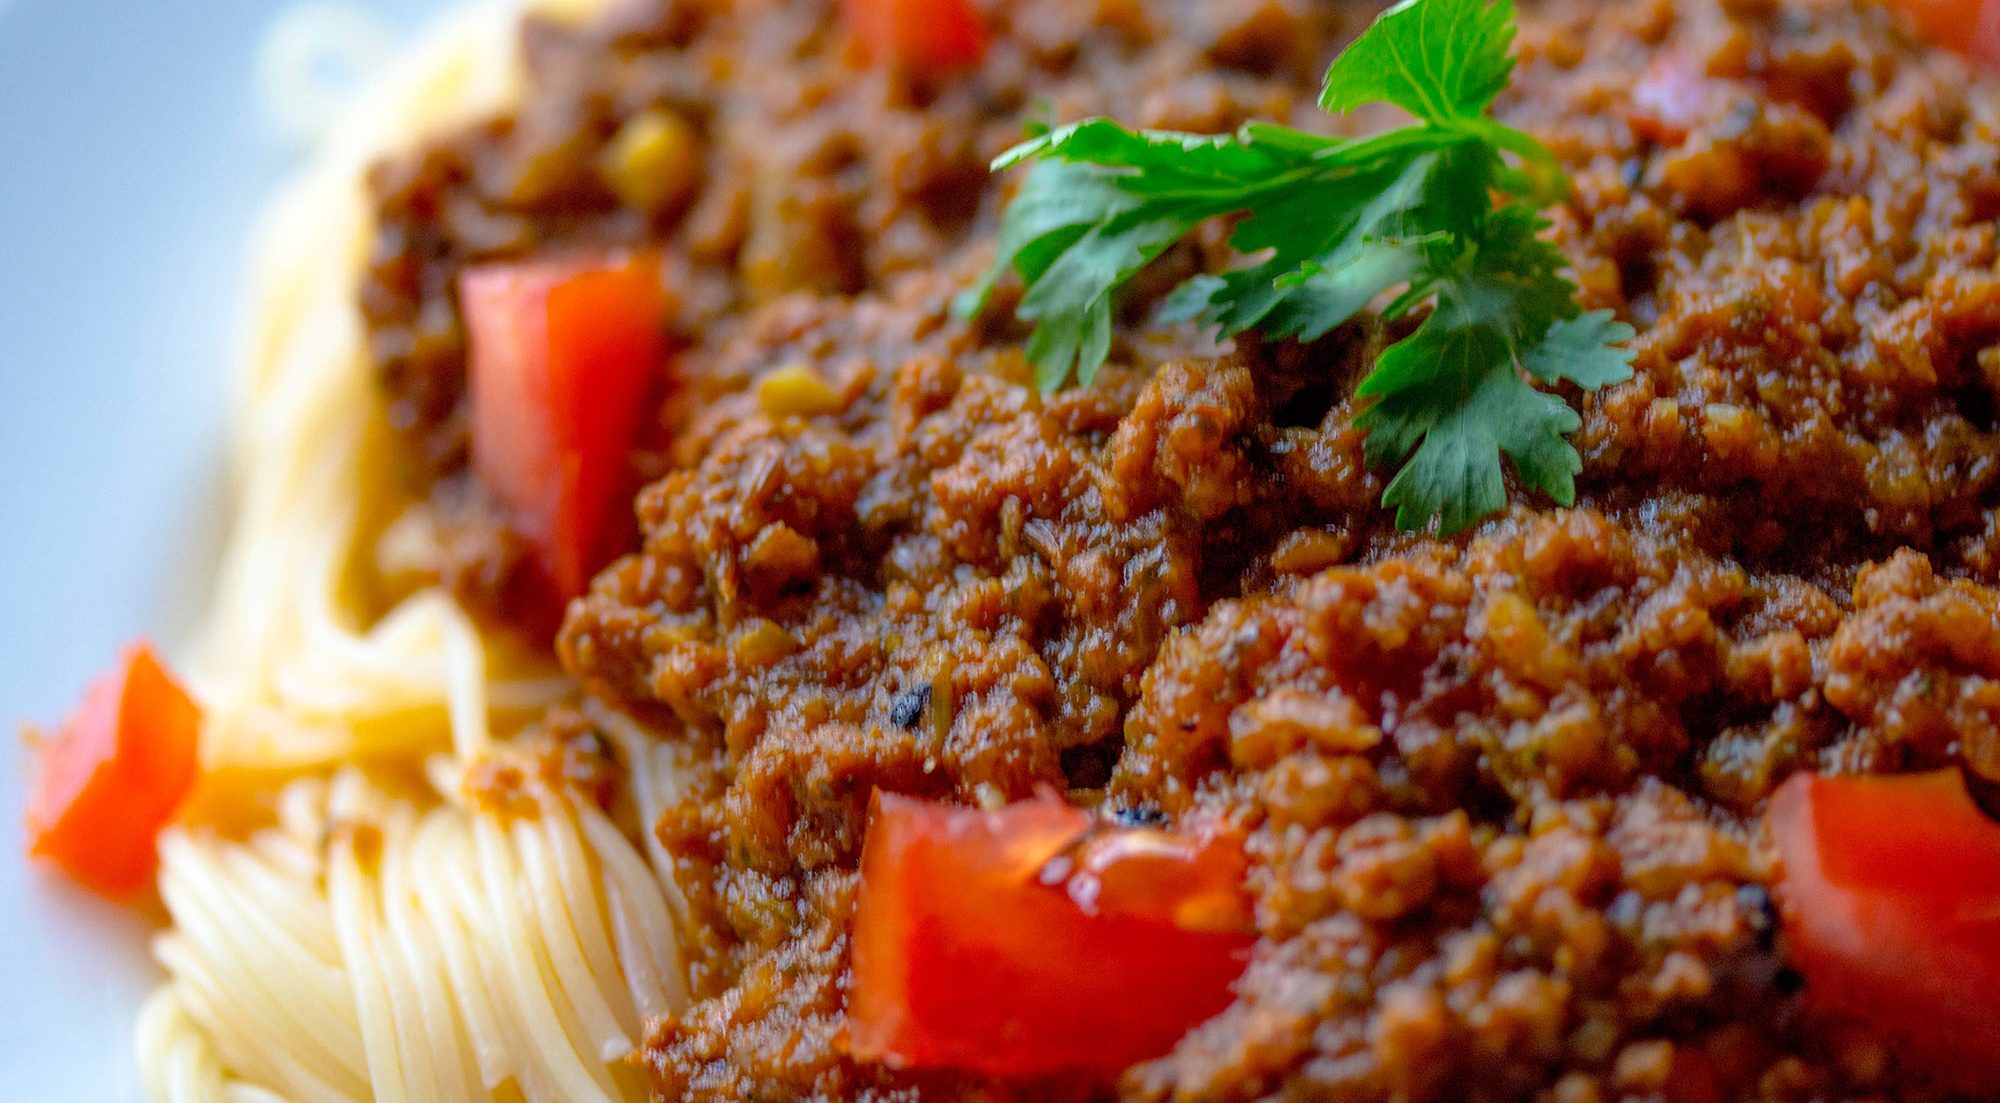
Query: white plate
{"points": [[133, 156]]}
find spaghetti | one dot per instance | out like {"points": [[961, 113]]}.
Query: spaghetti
{"points": [[389, 936]]}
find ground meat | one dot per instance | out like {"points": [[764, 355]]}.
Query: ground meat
{"points": [[806, 174], [1501, 792], [1816, 315]]}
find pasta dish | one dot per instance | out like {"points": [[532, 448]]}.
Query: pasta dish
{"points": [[892, 551]]}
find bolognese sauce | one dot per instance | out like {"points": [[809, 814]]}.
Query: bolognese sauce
{"points": [[1501, 796]]}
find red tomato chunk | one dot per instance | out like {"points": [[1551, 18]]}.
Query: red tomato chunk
{"points": [[1017, 943], [928, 36], [115, 775], [1891, 897], [563, 354]]}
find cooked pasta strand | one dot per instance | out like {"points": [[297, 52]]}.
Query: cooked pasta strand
{"points": [[380, 941]]}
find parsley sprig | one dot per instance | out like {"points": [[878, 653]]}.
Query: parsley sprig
{"points": [[1445, 209]]}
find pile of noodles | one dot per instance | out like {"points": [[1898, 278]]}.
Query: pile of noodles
{"points": [[365, 931]]}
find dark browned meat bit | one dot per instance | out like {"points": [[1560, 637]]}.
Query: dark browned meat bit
{"points": [[911, 705], [1501, 791]]}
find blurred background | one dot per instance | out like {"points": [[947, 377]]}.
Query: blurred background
{"points": [[135, 146]]}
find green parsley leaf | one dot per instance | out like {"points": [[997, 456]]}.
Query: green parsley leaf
{"points": [[1071, 302], [1333, 250], [1452, 474], [1440, 60], [1446, 210], [1058, 204], [1588, 350]]}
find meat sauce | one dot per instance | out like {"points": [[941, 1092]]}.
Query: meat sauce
{"points": [[1501, 793]]}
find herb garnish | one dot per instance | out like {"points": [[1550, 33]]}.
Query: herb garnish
{"points": [[1445, 208]]}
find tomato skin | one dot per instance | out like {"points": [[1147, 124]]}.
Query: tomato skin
{"points": [[562, 355], [972, 953], [929, 36], [1971, 27], [1195, 882], [1891, 898], [115, 775]]}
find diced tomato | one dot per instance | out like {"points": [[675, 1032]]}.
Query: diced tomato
{"points": [[1971, 27], [929, 36], [562, 353], [1193, 881], [114, 776], [1891, 897], [1018, 942]]}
